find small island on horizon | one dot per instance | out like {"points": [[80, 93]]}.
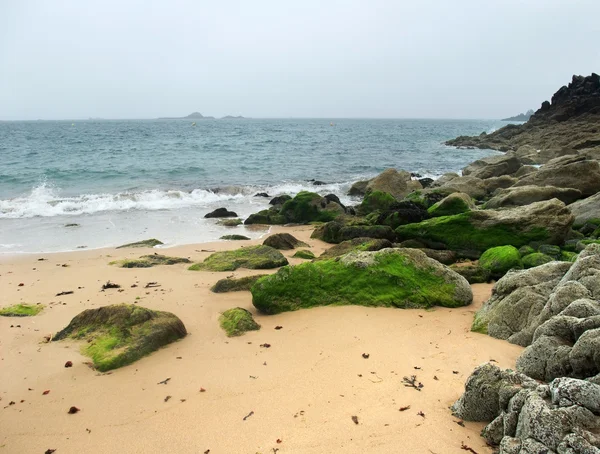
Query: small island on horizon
{"points": [[521, 117], [199, 116]]}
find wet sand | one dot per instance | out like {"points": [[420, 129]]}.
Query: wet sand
{"points": [[298, 396]]}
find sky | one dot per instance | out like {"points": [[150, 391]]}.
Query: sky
{"points": [[469, 59]]}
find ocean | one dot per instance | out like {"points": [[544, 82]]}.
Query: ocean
{"points": [[128, 180]]}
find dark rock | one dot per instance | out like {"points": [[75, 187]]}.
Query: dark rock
{"points": [[284, 241], [425, 182], [261, 194], [280, 199], [221, 213]]}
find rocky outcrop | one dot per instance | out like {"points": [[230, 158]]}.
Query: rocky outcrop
{"points": [[473, 232], [470, 185], [390, 277], [586, 210], [527, 417], [284, 241], [493, 166], [524, 195], [455, 203], [397, 183], [569, 122]]}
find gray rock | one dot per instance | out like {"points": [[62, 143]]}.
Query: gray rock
{"points": [[582, 308], [397, 183], [586, 209], [474, 187], [547, 358], [493, 166], [510, 445], [585, 354], [525, 195], [525, 170], [445, 178], [571, 391], [496, 183], [576, 444]]}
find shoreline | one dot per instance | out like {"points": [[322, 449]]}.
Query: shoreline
{"points": [[314, 379]]}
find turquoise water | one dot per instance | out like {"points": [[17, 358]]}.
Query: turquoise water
{"points": [[123, 180]]}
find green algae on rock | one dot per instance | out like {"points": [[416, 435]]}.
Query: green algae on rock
{"points": [[234, 237], [148, 261], [500, 259], [474, 274], [355, 244], [145, 243], [235, 285], [536, 259], [284, 241], [336, 231], [376, 201], [455, 203], [21, 310], [390, 278], [229, 222], [120, 334], [268, 217], [304, 254], [473, 232], [308, 207], [237, 321], [252, 257]]}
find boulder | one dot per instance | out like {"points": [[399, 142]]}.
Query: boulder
{"points": [[455, 203], [359, 188], [304, 254], [374, 201], [445, 178], [148, 261], [493, 184], [308, 207], [586, 210], [473, 232], [355, 244], [338, 231], [442, 256], [237, 321], [493, 166], [280, 200], [575, 172], [390, 277], [284, 241], [221, 213], [118, 335], [396, 183], [536, 259], [473, 273], [268, 217], [525, 170], [401, 213], [525, 195], [145, 243], [473, 186], [499, 260], [235, 285], [252, 257]]}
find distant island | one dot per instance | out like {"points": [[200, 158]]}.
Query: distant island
{"points": [[199, 116], [521, 117]]}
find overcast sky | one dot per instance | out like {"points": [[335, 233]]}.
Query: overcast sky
{"points": [[371, 58]]}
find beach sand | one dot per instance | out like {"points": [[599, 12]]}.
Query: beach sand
{"points": [[298, 396]]}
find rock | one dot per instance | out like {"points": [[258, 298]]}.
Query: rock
{"points": [[234, 237], [493, 166], [546, 358], [499, 260], [262, 194], [120, 334], [252, 257], [455, 203], [235, 285], [586, 210], [525, 195], [473, 273], [230, 222], [336, 232], [284, 241], [536, 259], [527, 155], [478, 230], [355, 244], [268, 217], [576, 172], [493, 184], [280, 199], [442, 256], [336, 199], [570, 391], [148, 261], [445, 178], [237, 321], [474, 187], [359, 188], [221, 213], [425, 182], [550, 250], [525, 170], [376, 200], [145, 243], [401, 213], [308, 207], [427, 197], [389, 277], [21, 310], [396, 183], [304, 254]]}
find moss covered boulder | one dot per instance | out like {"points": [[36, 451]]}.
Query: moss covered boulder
{"points": [[473, 232], [237, 321], [453, 204], [304, 254], [536, 259], [355, 244], [230, 222], [118, 335], [145, 243], [21, 310], [234, 237], [235, 285], [336, 232], [308, 207], [148, 261], [284, 241], [376, 201], [394, 182], [499, 260], [269, 217], [253, 257], [402, 278], [472, 272]]}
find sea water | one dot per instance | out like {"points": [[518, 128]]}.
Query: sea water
{"points": [[127, 180]]}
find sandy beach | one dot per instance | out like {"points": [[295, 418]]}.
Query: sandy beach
{"points": [[298, 396]]}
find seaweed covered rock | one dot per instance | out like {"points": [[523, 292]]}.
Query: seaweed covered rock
{"points": [[336, 232], [304, 254], [268, 217], [473, 273], [237, 321], [536, 259], [234, 237], [355, 244], [144, 243], [473, 232], [284, 241], [308, 207], [221, 213], [280, 200], [235, 285], [396, 183], [455, 203], [21, 310], [148, 261], [234, 222], [118, 335], [427, 197], [500, 259], [389, 277], [376, 201], [401, 213], [252, 257], [525, 195]]}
